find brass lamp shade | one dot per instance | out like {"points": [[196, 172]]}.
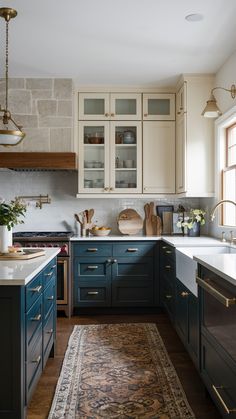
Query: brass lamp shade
{"points": [[211, 110], [11, 137]]}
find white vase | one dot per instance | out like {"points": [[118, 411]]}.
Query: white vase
{"points": [[5, 239]]}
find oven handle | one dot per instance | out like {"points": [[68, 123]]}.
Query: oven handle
{"points": [[215, 293]]}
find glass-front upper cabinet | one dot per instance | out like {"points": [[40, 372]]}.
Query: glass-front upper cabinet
{"points": [[93, 156], [126, 157], [110, 157], [159, 107], [109, 106]]}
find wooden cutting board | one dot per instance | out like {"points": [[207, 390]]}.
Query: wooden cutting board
{"points": [[26, 254], [167, 222], [148, 220], [129, 222]]}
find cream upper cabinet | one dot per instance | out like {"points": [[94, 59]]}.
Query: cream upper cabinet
{"points": [[110, 106], [194, 138], [159, 107], [110, 157], [158, 157]]}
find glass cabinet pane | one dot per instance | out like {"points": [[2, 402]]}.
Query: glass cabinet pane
{"points": [[94, 106], [158, 107], [125, 106], [94, 157], [125, 157]]}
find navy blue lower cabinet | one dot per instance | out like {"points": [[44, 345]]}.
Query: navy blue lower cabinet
{"points": [[115, 274], [25, 344], [187, 320], [167, 279]]}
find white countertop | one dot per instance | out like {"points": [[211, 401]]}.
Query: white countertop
{"points": [[173, 240], [223, 265], [20, 272]]}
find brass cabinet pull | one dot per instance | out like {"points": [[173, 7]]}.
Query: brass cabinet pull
{"points": [[164, 247], [132, 249], [169, 251], [37, 360], [184, 294], [92, 249], [50, 332], [92, 292], [215, 293], [54, 266], [92, 267], [37, 289], [168, 297], [216, 390], [168, 267], [36, 318], [51, 298], [49, 274]]}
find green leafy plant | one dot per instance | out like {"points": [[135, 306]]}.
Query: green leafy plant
{"points": [[11, 212], [195, 215]]}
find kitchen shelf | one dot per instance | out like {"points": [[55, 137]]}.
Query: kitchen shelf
{"points": [[126, 145], [128, 169], [93, 169], [94, 145]]}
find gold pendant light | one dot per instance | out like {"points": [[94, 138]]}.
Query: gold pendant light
{"points": [[8, 136]]}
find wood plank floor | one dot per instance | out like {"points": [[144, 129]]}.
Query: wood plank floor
{"points": [[194, 389]]}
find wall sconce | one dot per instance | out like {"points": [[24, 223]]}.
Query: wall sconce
{"points": [[211, 110], [13, 135], [40, 199]]}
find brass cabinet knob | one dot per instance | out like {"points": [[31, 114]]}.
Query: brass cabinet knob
{"points": [[112, 189], [106, 189], [145, 114], [112, 114], [106, 114], [184, 294]]}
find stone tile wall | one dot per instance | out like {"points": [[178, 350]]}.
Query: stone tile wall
{"points": [[45, 109]]}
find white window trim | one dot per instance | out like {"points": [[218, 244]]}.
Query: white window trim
{"points": [[223, 122]]}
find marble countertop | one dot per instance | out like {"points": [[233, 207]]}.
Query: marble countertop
{"points": [[223, 265], [20, 272]]}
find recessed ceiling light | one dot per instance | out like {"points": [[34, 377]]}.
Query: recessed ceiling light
{"points": [[194, 17]]}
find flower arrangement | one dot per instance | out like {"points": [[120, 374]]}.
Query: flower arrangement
{"points": [[195, 215], [11, 212]]}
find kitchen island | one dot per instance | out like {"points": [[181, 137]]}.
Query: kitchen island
{"points": [[28, 328]]}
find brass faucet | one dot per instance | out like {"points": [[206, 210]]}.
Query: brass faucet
{"points": [[212, 215]]}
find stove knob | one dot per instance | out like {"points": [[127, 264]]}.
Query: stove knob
{"points": [[56, 245], [43, 245], [50, 245]]}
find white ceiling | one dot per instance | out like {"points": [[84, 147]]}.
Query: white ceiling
{"points": [[121, 42]]}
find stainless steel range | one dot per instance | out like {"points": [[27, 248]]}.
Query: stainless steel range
{"points": [[59, 239]]}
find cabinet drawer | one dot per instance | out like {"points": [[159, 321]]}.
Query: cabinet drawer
{"points": [[167, 251], [133, 269], [93, 296], [33, 366], [92, 249], [48, 336], [168, 296], [33, 323], [96, 268], [48, 299], [133, 249], [33, 290], [49, 272], [219, 378]]}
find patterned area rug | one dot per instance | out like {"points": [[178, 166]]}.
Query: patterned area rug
{"points": [[118, 371]]}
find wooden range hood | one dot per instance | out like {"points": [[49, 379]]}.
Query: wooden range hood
{"points": [[49, 161]]}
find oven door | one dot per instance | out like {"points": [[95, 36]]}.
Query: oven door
{"points": [[62, 279]]}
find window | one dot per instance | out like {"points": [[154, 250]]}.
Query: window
{"points": [[229, 176]]}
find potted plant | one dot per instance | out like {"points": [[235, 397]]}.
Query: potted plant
{"points": [[192, 221], [10, 214]]}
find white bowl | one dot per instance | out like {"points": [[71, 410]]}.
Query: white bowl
{"points": [[101, 232]]}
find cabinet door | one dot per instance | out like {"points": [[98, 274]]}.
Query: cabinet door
{"points": [[125, 106], [125, 157], [181, 154], [182, 310], [159, 107], [94, 106], [93, 157], [159, 157], [193, 327], [132, 282]]}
